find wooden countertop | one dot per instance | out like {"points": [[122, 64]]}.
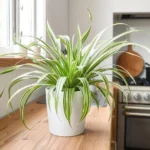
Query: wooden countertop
{"points": [[14, 136], [6, 62]]}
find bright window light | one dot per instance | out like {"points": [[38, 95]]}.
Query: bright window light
{"points": [[5, 23], [26, 21], [21, 18]]}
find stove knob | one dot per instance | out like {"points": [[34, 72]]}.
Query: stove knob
{"points": [[137, 96], [129, 96], [147, 96]]}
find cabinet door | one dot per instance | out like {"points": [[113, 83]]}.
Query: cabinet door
{"points": [[131, 6], [102, 12]]}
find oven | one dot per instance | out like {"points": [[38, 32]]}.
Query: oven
{"points": [[133, 124]]}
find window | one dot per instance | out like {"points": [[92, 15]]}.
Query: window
{"points": [[5, 24], [17, 18], [26, 19]]}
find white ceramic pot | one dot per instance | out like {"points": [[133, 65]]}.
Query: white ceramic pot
{"points": [[19, 49], [58, 124]]}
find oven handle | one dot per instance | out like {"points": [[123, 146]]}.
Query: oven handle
{"points": [[136, 108], [137, 114]]}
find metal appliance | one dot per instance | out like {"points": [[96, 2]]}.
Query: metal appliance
{"points": [[133, 123]]}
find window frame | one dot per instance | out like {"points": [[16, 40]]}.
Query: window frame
{"points": [[8, 24], [39, 23], [18, 32], [13, 22]]}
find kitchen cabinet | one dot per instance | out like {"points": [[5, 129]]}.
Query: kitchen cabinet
{"points": [[131, 6]]}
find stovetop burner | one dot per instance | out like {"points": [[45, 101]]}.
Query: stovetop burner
{"points": [[139, 82]]}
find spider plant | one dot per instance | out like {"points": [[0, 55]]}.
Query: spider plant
{"points": [[76, 71]]}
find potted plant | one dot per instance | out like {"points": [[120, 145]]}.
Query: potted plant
{"points": [[67, 78]]}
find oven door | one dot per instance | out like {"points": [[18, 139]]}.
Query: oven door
{"points": [[134, 127]]}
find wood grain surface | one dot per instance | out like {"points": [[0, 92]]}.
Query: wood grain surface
{"points": [[6, 62], [114, 120], [133, 64], [14, 136]]}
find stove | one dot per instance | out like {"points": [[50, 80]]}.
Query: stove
{"points": [[139, 82], [138, 95], [133, 123]]}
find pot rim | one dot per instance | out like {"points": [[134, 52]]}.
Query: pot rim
{"points": [[47, 89]]}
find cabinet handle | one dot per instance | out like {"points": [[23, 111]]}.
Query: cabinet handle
{"points": [[136, 108], [137, 114]]}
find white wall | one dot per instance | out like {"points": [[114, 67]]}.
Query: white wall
{"points": [[141, 38], [102, 17], [101, 12], [133, 6], [4, 81], [57, 15], [6, 50]]}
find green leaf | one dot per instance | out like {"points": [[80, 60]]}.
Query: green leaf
{"points": [[59, 88], [55, 41], [50, 96], [95, 99], [104, 78], [67, 102], [86, 97], [90, 14], [20, 90], [10, 69], [85, 35], [110, 100], [48, 49], [1, 94], [24, 99]]}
